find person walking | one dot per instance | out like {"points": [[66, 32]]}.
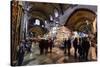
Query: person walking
{"points": [[69, 46], [41, 46], [50, 44], [46, 45], [65, 46], [80, 49], [75, 45], [21, 52], [86, 46]]}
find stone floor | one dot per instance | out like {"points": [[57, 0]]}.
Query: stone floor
{"points": [[57, 56]]}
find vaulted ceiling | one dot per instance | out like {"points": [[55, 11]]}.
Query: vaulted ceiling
{"points": [[77, 20], [44, 10]]}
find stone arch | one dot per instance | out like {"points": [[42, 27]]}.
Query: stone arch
{"points": [[78, 18]]}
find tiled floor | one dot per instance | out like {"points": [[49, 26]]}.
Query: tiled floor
{"points": [[57, 56]]}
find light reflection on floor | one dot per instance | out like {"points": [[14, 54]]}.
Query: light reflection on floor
{"points": [[57, 56]]}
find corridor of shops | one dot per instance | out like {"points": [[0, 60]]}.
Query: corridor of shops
{"points": [[52, 33]]}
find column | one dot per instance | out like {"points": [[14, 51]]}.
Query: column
{"points": [[24, 23], [94, 26]]}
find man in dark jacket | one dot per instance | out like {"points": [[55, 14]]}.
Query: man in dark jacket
{"points": [[41, 46], [69, 46], [80, 49], [75, 44], [65, 46], [50, 44], [46, 46], [21, 53], [86, 46]]}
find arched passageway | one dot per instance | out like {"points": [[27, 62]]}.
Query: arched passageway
{"points": [[81, 20]]}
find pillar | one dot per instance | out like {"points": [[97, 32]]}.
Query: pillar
{"points": [[94, 26]]}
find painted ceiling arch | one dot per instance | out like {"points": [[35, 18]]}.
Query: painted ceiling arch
{"points": [[48, 8], [78, 17]]}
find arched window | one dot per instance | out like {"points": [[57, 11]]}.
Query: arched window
{"points": [[37, 22], [56, 13], [42, 25], [45, 22], [51, 18]]}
